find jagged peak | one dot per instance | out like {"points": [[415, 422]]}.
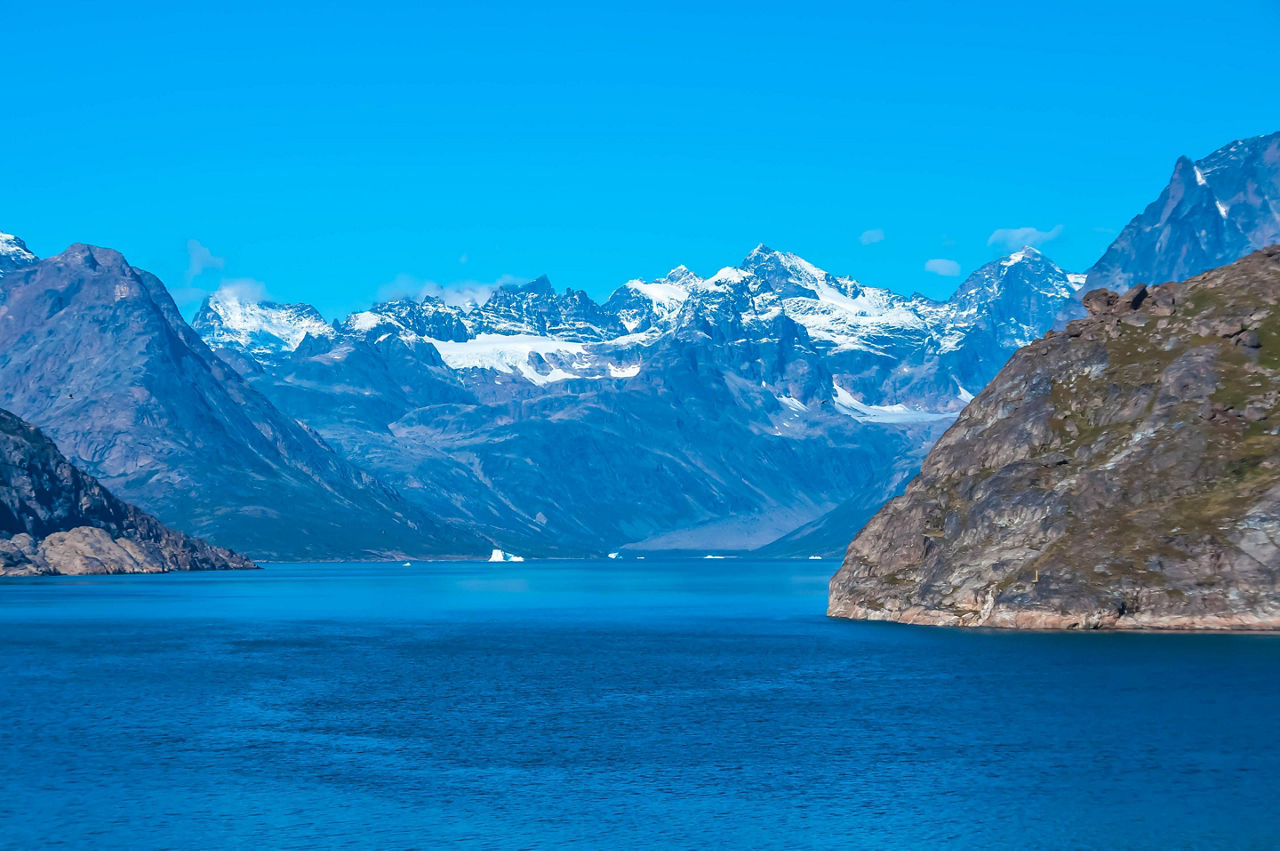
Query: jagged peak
{"points": [[406, 300], [1186, 171], [762, 254], [1027, 265], [540, 284], [11, 245], [763, 257], [93, 256], [680, 276], [14, 254], [1026, 253], [228, 318]]}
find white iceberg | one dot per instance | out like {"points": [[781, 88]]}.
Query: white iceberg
{"points": [[499, 555]]}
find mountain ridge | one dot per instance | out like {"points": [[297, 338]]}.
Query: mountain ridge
{"points": [[1213, 211], [94, 352]]}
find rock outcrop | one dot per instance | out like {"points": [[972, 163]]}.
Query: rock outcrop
{"points": [[1123, 473], [56, 519]]}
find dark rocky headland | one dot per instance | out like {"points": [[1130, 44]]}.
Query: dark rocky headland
{"points": [[1121, 474], [56, 519]]}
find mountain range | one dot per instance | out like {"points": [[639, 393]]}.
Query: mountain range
{"points": [[96, 354], [683, 413], [771, 406]]}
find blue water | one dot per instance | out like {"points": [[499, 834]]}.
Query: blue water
{"points": [[697, 704]]}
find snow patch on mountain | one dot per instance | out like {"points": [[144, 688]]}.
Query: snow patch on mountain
{"points": [[847, 404], [516, 353]]}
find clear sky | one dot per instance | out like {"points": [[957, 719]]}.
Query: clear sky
{"points": [[336, 151]]}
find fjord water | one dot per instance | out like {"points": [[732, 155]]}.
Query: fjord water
{"points": [[693, 703]]}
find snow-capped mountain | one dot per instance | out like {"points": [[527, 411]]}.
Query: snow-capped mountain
{"points": [[1214, 211], [14, 254], [261, 329], [402, 317], [681, 412], [865, 335], [537, 309]]}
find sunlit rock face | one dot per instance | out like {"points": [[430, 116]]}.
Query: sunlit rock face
{"points": [[1122, 473]]}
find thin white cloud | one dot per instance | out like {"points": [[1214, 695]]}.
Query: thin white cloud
{"points": [[942, 266], [243, 290], [200, 258], [456, 293], [872, 236], [1015, 238]]}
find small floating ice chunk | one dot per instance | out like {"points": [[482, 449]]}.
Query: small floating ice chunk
{"points": [[499, 555]]}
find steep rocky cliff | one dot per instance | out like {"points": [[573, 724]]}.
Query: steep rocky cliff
{"points": [[1123, 473], [56, 519]]}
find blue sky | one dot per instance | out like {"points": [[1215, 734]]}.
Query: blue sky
{"points": [[333, 152]]}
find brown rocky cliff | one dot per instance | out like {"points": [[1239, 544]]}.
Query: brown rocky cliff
{"points": [[1124, 473]]}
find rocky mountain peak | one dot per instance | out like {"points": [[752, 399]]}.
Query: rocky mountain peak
{"points": [[679, 276], [1212, 211], [540, 285], [93, 257], [783, 271], [408, 317], [1021, 274]]}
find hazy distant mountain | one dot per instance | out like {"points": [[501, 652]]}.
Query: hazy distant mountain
{"points": [[682, 413], [1214, 211], [94, 352]]}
